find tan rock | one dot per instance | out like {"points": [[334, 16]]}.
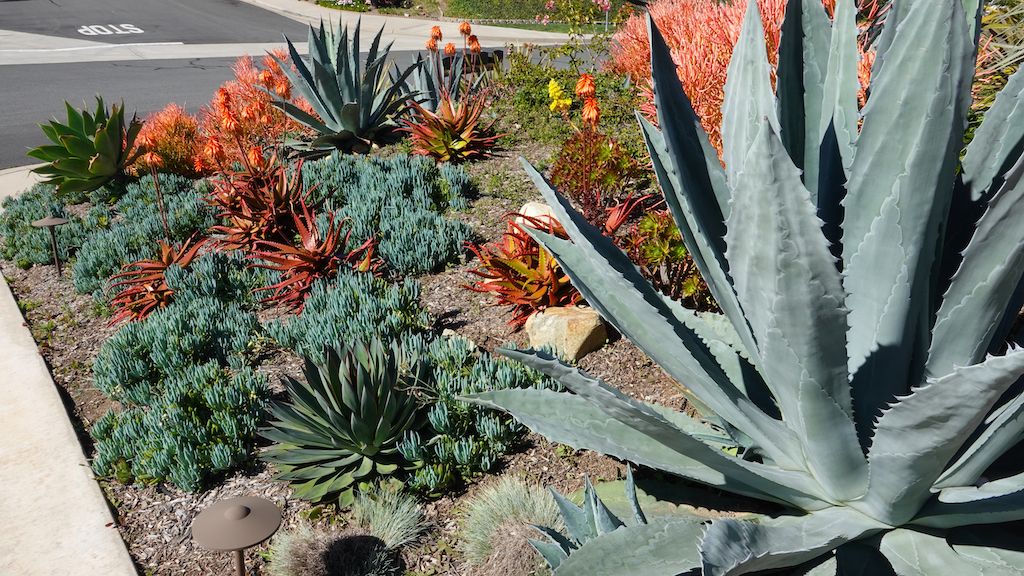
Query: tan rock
{"points": [[573, 331]]}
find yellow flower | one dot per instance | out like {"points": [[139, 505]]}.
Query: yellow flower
{"points": [[560, 102]]}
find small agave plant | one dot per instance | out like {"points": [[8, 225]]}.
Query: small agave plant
{"points": [[343, 425], [89, 150], [356, 105], [868, 278]]}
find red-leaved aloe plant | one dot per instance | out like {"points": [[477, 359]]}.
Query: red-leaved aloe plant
{"points": [[316, 255], [453, 133], [526, 277], [257, 204], [520, 273], [145, 288]]}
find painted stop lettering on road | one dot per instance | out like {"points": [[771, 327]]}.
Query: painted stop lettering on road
{"points": [[108, 29]]}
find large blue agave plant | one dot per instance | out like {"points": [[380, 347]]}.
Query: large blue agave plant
{"points": [[868, 279]]}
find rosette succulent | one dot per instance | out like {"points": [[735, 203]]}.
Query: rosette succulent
{"points": [[868, 279]]}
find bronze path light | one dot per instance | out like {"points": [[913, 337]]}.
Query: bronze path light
{"points": [[51, 223], [235, 524]]}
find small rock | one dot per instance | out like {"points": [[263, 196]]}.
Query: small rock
{"points": [[449, 333], [573, 331], [537, 210]]}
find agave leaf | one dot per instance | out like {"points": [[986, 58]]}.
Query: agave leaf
{"points": [[896, 11], [993, 502], [981, 291], [803, 62], [75, 120], [641, 315], [918, 554], [327, 87], [570, 419], [733, 547], [100, 165], [998, 142], [603, 520], [915, 438], [692, 180], [691, 152], [899, 191], [348, 116], [302, 80], [317, 44], [107, 143], [578, 526], [78, 184], [839, 99], [692, 218], [634, 504], [787, 282], [749, 98], [552, 553], [72, 166], [665, 547], [299, 114], [1002, 431], [46, 153]]}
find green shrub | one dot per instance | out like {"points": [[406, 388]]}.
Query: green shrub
{"points": [[526, 84], [351, 307], [191, 405], [464, 440], [26, 245], [344, 420], [399, 200], [134, 233], [495, 9]]}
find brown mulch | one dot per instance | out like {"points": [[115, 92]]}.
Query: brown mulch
{"points": [[155, 520]]}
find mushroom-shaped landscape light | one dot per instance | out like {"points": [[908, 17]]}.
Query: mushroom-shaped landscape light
{"points": [[235, 524], [51, 223]]}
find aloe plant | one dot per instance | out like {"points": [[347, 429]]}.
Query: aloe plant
{"points": [[868, 280], [356, 106]]}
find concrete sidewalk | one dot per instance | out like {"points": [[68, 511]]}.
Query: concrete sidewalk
{"points": [[14, 181], [408, 33], [54, 517], [19, 48]]}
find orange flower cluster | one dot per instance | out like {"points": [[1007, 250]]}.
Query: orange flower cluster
{"points": [[587, 92], [171, 141], [241, 117], [701, 35]]}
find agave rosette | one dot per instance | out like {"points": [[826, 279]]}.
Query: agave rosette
{"points": [[89, 150], [868, 280]]}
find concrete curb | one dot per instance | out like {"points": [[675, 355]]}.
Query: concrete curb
{"points": [[14, 181], [56, 518]]}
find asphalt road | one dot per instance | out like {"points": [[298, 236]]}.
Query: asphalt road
{"points": [[133, 21], [34, 94], [31, 94]]}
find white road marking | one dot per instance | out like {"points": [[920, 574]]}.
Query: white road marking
{"points": [[72, 48], [108, 29]]}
